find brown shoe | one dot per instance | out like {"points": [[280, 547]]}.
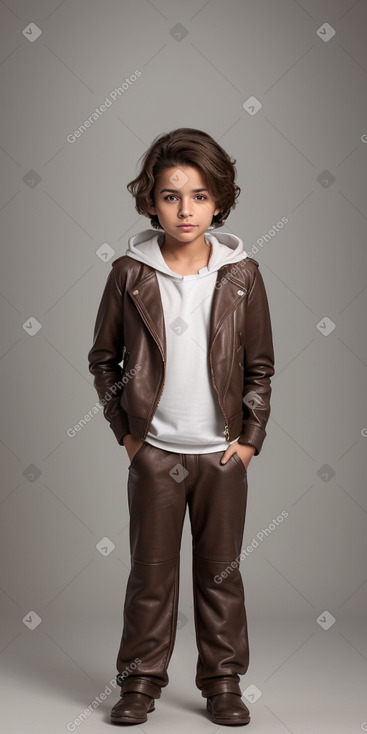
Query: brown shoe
{"points": [[227, 709], [132, 708]]}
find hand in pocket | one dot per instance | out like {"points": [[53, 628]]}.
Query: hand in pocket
{"points": [[132, 445]]}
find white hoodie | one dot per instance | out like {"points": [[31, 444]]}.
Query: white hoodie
{"points": [[188, 418]]}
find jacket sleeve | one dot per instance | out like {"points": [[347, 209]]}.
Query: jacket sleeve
{"points": [[106, 354], [258, 366]]}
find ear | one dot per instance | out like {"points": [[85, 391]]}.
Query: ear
{"points": [[216, 211]]}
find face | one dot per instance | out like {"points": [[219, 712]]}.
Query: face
{"points": [[181, 197]]}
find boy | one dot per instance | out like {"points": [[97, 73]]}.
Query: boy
{"points": [[187, 312]]}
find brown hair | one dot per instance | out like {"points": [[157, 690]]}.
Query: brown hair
{"points": [[190, 147]]}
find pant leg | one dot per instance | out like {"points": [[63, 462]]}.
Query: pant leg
{"points": [[217, 506], [157, 505]]}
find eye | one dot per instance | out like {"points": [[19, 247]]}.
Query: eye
{"points": [[202, 197]]}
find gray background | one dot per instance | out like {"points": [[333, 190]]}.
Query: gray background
{"points": [[301, 156]]}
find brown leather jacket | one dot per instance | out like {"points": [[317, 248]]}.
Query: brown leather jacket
{"points": [[130, 329]]}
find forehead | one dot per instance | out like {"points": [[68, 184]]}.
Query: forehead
{"points": [[181, 178]]}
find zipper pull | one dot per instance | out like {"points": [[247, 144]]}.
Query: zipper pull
{"points": [[226, 431]]}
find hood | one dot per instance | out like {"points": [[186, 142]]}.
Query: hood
{"points": [[145, 247]]}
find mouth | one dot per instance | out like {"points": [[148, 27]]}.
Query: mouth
{"points": [[186, 226]]}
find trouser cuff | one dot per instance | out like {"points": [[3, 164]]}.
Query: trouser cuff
{"points": [[220, 686], [141, 685]]}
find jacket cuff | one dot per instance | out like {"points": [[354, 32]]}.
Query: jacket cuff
{"points": [[254, 436], [120, 427]]}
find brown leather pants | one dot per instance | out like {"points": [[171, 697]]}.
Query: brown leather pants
{"points": [[159, 485]]}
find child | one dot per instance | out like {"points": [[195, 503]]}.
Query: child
{"points": [[187, 313]]}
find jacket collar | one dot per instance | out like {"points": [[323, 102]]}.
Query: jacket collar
{"points": [[145, 293]]}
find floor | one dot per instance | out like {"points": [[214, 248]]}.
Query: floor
{"points": [[305, 679]]}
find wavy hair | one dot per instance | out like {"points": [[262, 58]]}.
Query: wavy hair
{"points": [[187, 146]]}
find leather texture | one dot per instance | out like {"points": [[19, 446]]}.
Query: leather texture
{"points": [[132, 708], [130, 327], [228, 709], [160, 485]]}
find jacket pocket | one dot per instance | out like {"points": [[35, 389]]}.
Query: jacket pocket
{"points": [[240, 351], [125, 359]]}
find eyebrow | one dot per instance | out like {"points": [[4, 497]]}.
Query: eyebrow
{"points": [[175, 191]]}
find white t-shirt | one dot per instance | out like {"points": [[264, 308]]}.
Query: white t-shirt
{"points": [[188, 418]]}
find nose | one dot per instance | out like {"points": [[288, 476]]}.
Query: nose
{"points": [[184, 209]]}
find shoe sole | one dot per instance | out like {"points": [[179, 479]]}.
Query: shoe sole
{"points": [[228, 722]]}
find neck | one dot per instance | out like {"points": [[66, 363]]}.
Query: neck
{"points": [[185, 252]]}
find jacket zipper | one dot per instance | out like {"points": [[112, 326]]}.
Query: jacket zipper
{"points": [[226, 427], [155, 406]]}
